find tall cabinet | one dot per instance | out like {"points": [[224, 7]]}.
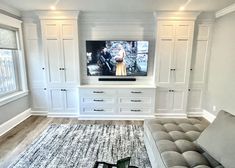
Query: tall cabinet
{"points": [[174, 41], [60, 50]]}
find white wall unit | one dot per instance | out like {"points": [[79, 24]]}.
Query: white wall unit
{"points": [[117, 101], [63, 101], [199, 66], [174, 42], [171, 101], [60, 45]]}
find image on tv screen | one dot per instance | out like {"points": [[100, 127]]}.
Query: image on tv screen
{"points": [[117, 58]]}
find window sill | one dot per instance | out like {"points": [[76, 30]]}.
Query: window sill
{"points": [[12, 97]]}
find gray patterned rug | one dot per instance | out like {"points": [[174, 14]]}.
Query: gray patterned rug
{"points": [[68, 146]]}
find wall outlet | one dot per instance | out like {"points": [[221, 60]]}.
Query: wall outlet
{"points": [[214, 108]]}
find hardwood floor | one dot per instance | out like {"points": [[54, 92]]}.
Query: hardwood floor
{"points": [[16, 141]]}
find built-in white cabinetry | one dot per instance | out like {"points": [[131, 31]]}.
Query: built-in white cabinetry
{"points": [[63, 101], [199, 66], [60, 46], [174, 42], [36, 69], [117, 101], [60, 51], [171, 102]]}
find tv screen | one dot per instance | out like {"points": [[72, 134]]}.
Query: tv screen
{"points": [[117, 58]]}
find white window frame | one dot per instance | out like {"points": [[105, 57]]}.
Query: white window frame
{"points": [[22, 79]]}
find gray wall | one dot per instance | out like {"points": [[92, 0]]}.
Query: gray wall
{"points": [[221, 75], [14, 108]]}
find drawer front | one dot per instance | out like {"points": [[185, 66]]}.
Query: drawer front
{"points": [[97, 110], [134, 110], [97, 92], [136, 92], [135, 100], [98, 100]]}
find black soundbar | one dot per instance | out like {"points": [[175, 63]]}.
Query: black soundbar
{"points": [[117, 79]]}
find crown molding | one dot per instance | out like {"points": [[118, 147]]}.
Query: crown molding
{"points": [[47, 15], [176, 15], [225, 11], [10, 10]]}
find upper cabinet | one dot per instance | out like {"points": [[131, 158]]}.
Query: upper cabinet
{"points": [[60, 48], [173, 51], [201, 53]]}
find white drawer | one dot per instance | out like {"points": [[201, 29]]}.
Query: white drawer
{"points": [[136, 92], [97, 92], [135, 100], [136, 110], [97, 110], [98, 100]]}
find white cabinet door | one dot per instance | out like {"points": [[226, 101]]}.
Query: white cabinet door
{"points": [[71, 100], [56, 97], [39, 99], [179, 100], [195, 96], [52, 51], [182, 53], [200, 54], [69, 49], [163, 100], [165, 49]]}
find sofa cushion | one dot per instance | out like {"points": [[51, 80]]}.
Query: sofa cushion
{"points": [[175, 141], [218, 139]]}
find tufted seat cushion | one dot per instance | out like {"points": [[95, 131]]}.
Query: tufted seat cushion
{"points": [[175, 139]]}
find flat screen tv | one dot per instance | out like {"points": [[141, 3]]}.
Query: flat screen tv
{"points": [[117, 58]]}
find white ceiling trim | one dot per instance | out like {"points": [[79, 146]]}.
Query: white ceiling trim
{"points": [[225, 11], [72, 14], [165, 15], [10, 9]]}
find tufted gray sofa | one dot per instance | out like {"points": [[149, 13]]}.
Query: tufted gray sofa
{"points": [[171, 144]]}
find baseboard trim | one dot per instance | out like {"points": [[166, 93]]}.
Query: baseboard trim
{"points": [[8, 125], [115, 117], [61, 115], [39, 113], [170, 115], [195, 114], [208, 116]]}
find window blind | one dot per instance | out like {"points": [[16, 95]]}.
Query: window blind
{"points": [[8, 39]]}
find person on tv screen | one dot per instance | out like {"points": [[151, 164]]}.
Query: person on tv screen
{"points": [[105, 58], [120, 66]]}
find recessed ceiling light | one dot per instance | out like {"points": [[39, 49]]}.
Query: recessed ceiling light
{"points": [[181, 8], [53, 8]]}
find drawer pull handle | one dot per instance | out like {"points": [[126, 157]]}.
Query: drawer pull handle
{"points": [[98, 100], [136, 110], [98, 92], [63, 90], [136, 92], [135, 100], [98, 109]]}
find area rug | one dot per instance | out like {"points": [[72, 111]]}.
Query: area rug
{"points": [[79, 146]]}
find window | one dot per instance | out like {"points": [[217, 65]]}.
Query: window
{"points": [[8, 61]]}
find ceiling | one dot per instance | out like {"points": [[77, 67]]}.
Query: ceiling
{"points": [[119, 5]]}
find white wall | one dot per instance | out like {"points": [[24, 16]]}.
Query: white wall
{"points": [[221, 75], [115, 26]]}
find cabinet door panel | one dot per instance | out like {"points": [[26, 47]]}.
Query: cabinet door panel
{"points": [[54, 62], [56, 100], [163, 101], [199, 63], [71, 100], [179, 100], [39, 99], [195, 99], [165, 52], [181, 61], [69, 61]]}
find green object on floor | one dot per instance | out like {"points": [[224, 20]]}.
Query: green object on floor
{"points": [[122, 163]]}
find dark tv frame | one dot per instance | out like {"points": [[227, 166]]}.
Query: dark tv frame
{"points": [[120, 76]]}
